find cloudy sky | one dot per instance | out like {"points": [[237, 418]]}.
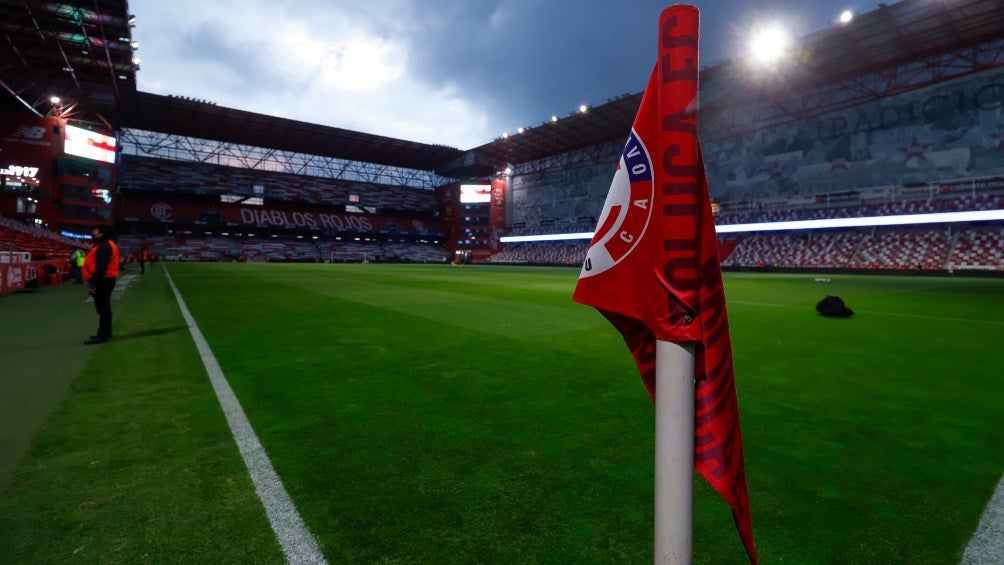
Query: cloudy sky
{"points": [[451, 72]]}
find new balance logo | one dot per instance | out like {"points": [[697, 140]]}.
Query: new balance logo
{"points": [[30, 132], [29, 135]]}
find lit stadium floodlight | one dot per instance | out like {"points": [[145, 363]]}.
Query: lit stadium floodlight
{"points": [[769, 44], [520, 130], [554, 118], [546, 237], [871, 221], [54, 100], [583, 108], [846, 16]]}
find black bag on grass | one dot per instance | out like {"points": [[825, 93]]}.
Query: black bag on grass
{"points": [[833, 306]]}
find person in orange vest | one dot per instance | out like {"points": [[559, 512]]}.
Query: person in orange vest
{"points": [[101, 266]]}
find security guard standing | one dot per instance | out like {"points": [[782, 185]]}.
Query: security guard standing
{"points": [[101, 266]]}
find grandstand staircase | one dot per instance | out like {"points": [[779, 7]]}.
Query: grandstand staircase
{"points": [[726, 247], [320, 251], [857, 248], [952, 246]]}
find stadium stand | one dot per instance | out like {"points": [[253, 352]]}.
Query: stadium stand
{"points": [[295, 217], [738, 213], [543, 253], [280, 249], [42, 244], [978, 249], [938, 249], [162, 175], [42, 254]]}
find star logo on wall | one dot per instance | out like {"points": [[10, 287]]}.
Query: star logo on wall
{"points": [[915, 150]]}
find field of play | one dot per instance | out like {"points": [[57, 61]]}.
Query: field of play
{"points": [[475, 414]]}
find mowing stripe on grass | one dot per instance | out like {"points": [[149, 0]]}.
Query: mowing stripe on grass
{"points": [[748, 303], [872, 312], [937, 318], [987, 544], [296, 540]]}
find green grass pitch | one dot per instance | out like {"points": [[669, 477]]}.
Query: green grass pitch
{"points": [[431, 414]]}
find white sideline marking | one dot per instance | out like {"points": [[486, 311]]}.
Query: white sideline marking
{"points": [[121, 286], [987, 544], [297, 543]]}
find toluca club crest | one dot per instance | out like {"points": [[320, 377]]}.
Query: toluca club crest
{"points": [[626, 212]]}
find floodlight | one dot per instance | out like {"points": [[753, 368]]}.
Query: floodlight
{"points": [[769, 44], [55, 100], [846, 16], [554, 118], [520, 130], [867, 221], [583, 108]]}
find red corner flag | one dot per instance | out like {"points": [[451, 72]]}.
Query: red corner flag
{"points": [[652, 268]]}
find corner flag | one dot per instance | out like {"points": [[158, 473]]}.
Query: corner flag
{"points": [[652, 268]]}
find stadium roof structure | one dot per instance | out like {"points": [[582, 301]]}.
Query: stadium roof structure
{"points": [[599, 124], [80, 50], [193, 118]]}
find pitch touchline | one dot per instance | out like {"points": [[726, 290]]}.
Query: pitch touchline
{"points": [[987, 543], [296, 540]]}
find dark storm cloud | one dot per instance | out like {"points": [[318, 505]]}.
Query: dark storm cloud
{"points": [[528, 59]]}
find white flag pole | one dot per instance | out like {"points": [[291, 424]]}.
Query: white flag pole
{"points": [[674, 452]]}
